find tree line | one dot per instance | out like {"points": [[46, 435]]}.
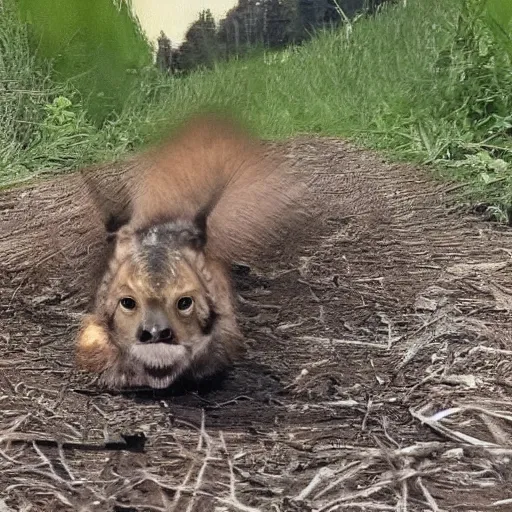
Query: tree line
{"points": [[252, 24]]}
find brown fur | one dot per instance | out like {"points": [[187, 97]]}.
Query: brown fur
{"points": [[188, 209], [94, 351], [214, 163]]}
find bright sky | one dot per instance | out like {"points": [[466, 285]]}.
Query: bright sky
{"points": [[175, 16]]}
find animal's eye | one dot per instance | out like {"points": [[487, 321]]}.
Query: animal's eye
{"points": [[128, 303], [185, 303]]}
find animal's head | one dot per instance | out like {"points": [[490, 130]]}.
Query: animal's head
{"points": [[163, 308]]}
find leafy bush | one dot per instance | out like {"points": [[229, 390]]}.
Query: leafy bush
{"points": [[96, 44]]}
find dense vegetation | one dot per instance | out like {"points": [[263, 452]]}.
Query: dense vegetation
{"points": [[427, 80]]}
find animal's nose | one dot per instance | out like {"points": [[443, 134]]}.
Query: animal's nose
{"points": [[155, 334]]}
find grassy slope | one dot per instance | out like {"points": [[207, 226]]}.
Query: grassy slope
{"points": [[380, 84]]}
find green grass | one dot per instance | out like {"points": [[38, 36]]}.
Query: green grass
{"points": [[430, 82]]}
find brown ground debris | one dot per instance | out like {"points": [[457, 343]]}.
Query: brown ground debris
{"points": [[377, 378]]}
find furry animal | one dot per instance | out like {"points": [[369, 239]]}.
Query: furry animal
{"points": [[164, 306]]}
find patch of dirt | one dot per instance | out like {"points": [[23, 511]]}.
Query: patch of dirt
{"points": [[377, 376]]}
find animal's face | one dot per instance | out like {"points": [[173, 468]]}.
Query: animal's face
{"points": [[159, 313], [161, 320]]}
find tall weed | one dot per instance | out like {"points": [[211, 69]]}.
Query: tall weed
{"points": [[478, 99]]}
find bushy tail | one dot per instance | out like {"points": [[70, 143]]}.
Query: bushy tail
{"points": [[214, 166]]}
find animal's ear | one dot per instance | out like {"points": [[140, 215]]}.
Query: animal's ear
{"points": [[94, 351], [200, 229], [114, 222], [200, 220], [111, 196]]}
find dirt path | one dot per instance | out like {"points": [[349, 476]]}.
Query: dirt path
{"points": [[378, 375]]}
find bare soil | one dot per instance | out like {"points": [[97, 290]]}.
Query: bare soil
{"points": [[377, 376]]}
